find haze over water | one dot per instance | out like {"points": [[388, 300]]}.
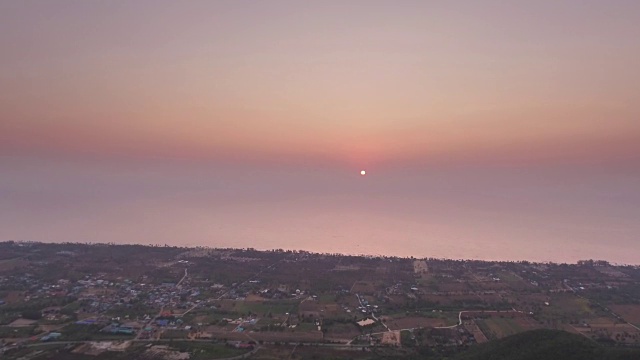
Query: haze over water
{"points": [[492, 130], [544, 214]]}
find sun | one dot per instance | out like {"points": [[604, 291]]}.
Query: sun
{"points": [[363, 173]]}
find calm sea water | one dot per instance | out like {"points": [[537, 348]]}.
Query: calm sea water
{"points": [[501, 213]]}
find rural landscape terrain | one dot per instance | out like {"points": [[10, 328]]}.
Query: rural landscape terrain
{"points": [[104, 301]]}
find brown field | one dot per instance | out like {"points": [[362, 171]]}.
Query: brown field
{"points": [[254, 297], [491, 285], [391, 338], [529, 298], [309, 306], [624, 333], [332, 310], [273, 352], [363, 287], [287, 336], [491, 298], [351, 301], [14, 297], [346, 268], [98, 291], [570, 328], [414, 322], [420, 267], [22, 322], [454, 287], [449, 299], [11, 264], [527, 323], [630, 313], [601, 321], [220, 328], [342, 331], [499, 327], [473, 328]]}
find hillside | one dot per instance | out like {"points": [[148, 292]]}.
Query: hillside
{"points": [[546, 345]]}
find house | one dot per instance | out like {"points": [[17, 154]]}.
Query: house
{"points": [[86, 322], [51, 336]]}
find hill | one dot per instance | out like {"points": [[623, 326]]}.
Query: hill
{"points": [[546, 345]]}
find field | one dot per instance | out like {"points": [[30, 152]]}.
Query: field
{"points": [[513, 281], [17, 332], [267, 311], [420, 266], [606, 328], [415, 322], [22, 322], [630, 313], [13, 297], [202, 351], [342, 331], [363, 287], [475, 330], [496, 328], [261, 308], [453, 287], [174, 334], [272, 352], [391, 338], [10, 264], [566, 308]]}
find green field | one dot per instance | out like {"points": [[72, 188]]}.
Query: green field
{"points": [[204, 351], [565, 308], [514, 281], [496, 328], [263, 308], [17, 332]]}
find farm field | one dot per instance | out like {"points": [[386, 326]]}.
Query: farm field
{"points": [[400, 323], [566, 308], [262, 308], [630, 313], [496, 328], [253, 302], [603, 329]]}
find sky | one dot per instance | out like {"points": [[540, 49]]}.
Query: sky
{"points": [[488, 129]]}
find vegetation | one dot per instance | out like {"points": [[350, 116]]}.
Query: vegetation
{"points": [[546, 345], [206, 351], [231, 298]]}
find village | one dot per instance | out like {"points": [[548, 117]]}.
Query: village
{"points": [[170, 302]]}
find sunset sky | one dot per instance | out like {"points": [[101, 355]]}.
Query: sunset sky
{"points": [[246, 123]]}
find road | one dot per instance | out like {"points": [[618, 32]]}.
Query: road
{"points": [[227, 292], [184, 277], [152, 320], [372, 314], [605, 308], [475, 311]]}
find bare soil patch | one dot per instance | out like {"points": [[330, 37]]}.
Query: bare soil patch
{"points": [[630, 313], [22, 322]]}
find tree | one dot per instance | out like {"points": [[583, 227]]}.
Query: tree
{"points": [[32, 314]]}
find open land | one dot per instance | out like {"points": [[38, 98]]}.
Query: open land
{"points": [[100, 301]]}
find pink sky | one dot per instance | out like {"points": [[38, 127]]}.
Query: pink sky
{"points": [[325, 87], [361, 82]]}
